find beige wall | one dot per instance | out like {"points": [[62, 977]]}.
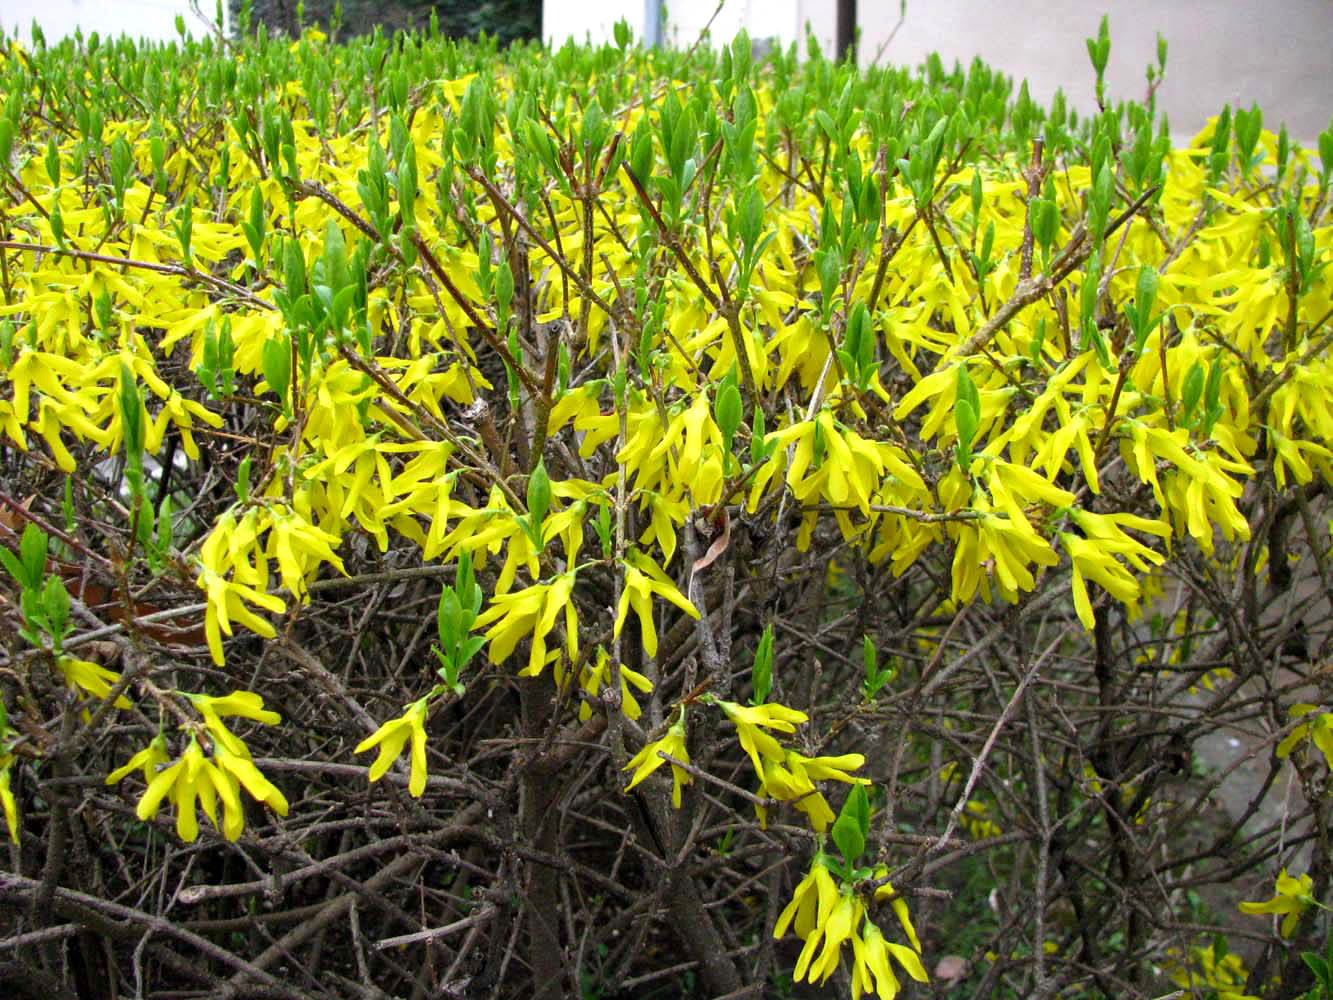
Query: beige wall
{"points": [[1279, 54]]}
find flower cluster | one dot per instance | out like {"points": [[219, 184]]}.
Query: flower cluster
{"points": [[1316, 726], [1210, 971], [392, 737], [196, 779], [650, 758], [827, 914], [1291, 898]]}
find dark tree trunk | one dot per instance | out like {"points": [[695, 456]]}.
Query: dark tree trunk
{"points": [[845, 37]]}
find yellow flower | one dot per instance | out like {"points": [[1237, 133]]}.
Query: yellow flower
{"points": [[1207, 973], [789, 786], [646, 761], [643, 578], [245, 704], [530, 610], [1317, 728], [870, 965], [181, 782], [1093, 561], [91, 677], [1293, 898], [7, 797], [811, 903], [908, 958], [150, 758], [392, 736], [194, 777], [833, 933], [300, 546], [792, 779], [595, 677], [756, 743], [224, 604], [236, 769], [828, 768], [899, 906]]}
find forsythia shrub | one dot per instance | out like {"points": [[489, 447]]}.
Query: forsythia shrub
{"points": [[686, 389]]}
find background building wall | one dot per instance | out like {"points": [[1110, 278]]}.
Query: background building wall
{"points": [[783, 20], [1220, 51], [153, 19]]}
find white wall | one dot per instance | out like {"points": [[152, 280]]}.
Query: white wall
{"points": [[563, 19], [153, 19], [784, 20], [1220, 51]]}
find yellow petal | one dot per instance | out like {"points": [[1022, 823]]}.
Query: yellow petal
{"points": [[151, 800]]}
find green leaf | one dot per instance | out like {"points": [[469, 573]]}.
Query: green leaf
{"points": [[293, 269], [53, 161], [184, 226], [15, 568], [728, 408], [622, 33], [828, 263], [1318, 966], [761, 676], [860, 341], [966, 420], [1140, 316], [256, 222], [1191, 392], [641, 151], [751, 218], [967, 390], [758, 451], [448, 618], [682, 142], [504, 286], [1145, 292], [539, 500], [143, 527], [407, 183], [277, 366], [852, 826], [603, 528], [1099, 49], [130, 403], [32, 549], [1045, 222], [208, 367], [55, 602], [593, 131], [984, 263], [469, 649], [162, 543]]}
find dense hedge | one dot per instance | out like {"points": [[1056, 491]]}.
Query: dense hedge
{"points": [[768, 521]]}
